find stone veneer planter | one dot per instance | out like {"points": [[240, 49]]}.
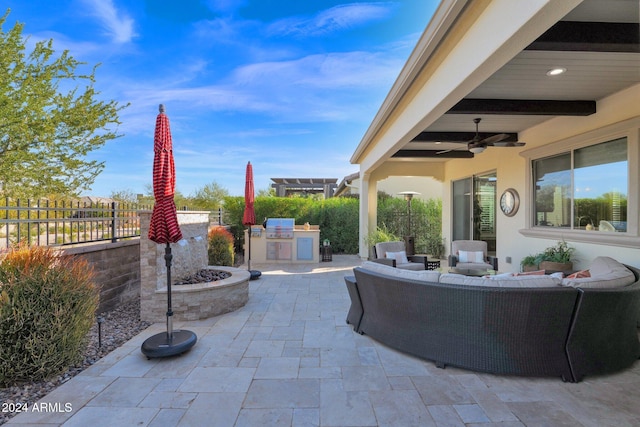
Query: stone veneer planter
{"points": [[204, 300]]}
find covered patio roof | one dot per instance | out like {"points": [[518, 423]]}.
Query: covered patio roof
{"points": [[490, 60]]}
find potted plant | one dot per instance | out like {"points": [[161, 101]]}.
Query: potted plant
{"points": [[553, 258], [529, 263]]}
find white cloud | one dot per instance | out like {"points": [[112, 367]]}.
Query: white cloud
{"points": [[117, 24], [315, 88], [318, 72], [335, 19]]}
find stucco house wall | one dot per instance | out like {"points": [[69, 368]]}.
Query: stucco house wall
{"points": [[617, 113]]}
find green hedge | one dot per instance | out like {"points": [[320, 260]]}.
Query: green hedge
{"points": [[338, 218]]}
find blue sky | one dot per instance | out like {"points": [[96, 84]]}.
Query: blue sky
{"points": [[289, 85]]}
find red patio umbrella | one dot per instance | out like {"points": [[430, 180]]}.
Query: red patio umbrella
{"points": [[164, 228], [249, 217]]}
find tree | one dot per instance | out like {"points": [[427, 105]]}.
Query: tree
{"points": [[47, 123], [179, 199], [266, 192], [125, 196], [209, 197]]}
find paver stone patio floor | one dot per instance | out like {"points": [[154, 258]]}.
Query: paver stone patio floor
{"points": [[289, 359]]}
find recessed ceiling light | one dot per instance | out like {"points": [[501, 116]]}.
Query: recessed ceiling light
{"points": [[556, 71], [438, 142]]}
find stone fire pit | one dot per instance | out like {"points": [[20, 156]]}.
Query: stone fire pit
{"points": [[192, 301], [208, 299]]}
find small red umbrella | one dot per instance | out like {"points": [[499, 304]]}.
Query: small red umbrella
{"points": [[249, 217], [164, 228]]}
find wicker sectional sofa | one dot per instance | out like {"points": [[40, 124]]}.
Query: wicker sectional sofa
{"points": [[564, 331]]}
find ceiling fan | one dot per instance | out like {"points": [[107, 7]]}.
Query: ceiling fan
{"points": [[477, 145]]}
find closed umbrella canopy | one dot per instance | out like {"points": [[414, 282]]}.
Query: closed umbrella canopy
{"points": [[249, 217], [164, 226]]}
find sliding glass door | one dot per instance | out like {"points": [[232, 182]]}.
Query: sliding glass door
{"points": [[461, 214], [474, 209]]}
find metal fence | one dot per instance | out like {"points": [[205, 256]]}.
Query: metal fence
{"points": [[47, 223]]}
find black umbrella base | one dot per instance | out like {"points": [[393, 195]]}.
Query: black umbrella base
{"points": [[254, 274], [159, 345]]}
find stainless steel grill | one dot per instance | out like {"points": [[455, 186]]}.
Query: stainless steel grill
{"points": [[280, 228]]}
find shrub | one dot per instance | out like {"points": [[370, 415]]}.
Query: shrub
{"points": [[220, 247], [338, 218], [380, 234], [47, 306]]}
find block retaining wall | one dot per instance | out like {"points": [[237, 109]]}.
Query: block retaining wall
{"points": [[117, 269]]}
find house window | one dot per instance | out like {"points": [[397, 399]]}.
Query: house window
{"points": [[584, 189]]}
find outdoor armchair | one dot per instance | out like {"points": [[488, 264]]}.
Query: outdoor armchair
{"points": [[471, 254], [395, 255]]}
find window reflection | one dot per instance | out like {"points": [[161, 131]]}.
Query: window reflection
{"points": [[597, 199], [600, 179], [553, 191]]}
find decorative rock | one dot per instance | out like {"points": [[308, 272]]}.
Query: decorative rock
{"points": [[203, 276]]}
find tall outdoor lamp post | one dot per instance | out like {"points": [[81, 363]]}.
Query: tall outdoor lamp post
{"points": [[409, 241]]}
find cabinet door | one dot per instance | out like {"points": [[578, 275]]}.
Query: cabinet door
{"points": [[272, 250], [279, 250], [304, 248], [284, 250]]}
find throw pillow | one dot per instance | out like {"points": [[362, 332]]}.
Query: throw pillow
{"points": [[471, 256], [400, 257], [579, 274]]}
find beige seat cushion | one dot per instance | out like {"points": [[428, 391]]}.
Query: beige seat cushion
{"points": [[421, 274], [415, 266], [474, 265], [605, 272], [502, 281]]}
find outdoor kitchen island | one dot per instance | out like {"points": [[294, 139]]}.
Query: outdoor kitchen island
{"points": [[281, 241]]}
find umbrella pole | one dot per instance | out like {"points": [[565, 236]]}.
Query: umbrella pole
{"points": [[167, 258], [170, 343], [249, 260]]}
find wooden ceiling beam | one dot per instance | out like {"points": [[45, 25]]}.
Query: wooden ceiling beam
{"points": [[580, 36], [458, 136], [462, 154], [532, 107]]}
